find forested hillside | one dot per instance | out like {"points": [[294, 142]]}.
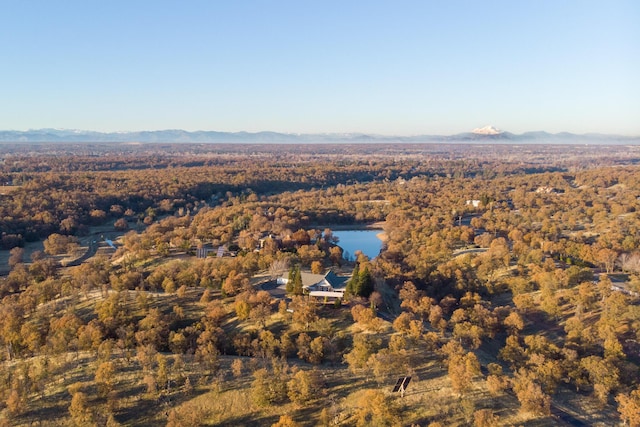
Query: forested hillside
{"points": [[507, 287]]}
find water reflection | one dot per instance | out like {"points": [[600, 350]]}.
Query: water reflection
{"points": [[366, 241]]}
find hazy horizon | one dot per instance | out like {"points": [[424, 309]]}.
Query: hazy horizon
{"points": [[382, 135]]}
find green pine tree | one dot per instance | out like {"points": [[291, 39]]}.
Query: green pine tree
{"points": [[289, 287], [353, 285], [297, 282], [365, 281]]}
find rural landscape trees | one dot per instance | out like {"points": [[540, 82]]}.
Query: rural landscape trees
{"points": [[138, 285]]}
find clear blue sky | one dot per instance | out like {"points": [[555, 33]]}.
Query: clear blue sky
{"points": [[387, 67]]}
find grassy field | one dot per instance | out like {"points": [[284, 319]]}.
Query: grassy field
{"points": [[199, 394]]}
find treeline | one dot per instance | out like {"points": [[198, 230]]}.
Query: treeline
{"points": [[62, 191], [68, 203]]}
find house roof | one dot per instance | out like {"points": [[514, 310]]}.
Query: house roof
{"points": [[336, 282], [310, 279]]}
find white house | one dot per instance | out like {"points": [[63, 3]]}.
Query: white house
{"points": [[327, 285]]}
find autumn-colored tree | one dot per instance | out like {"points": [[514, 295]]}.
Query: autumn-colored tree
{"points": [[303, 344], [401, 323], [549, 302], [387, 362], [177, 342], [335, 255], [607, 258], [57, 244], [514, 323], [304, 311], [234, 283], [462, 368], [63, 333], [585, 297], [153, 330], [629, 407], [237, 367], [409, 294], [436, 318], [150, 384], [285, 421], [524, 302], [539, 344], [547, 371], [603, 374], [317, 267], [112, 311], [375, 408], [366, 317], [33, 335], [363, 347], [207, 352], [308, 254], [242, 308], [287, 345], [81, 413], [267, 345], [206, 297], [512, 352], [530, 395], [43, 269], [105, 378], [121, 224], [613, 350], [305, 386], [16, 256], [496, 382], [12, 319], [187, 387], [16, 398], [269, 386], [260, 307], [468, 334], [485, 418]]}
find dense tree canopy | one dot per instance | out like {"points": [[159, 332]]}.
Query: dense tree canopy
{"points": [[522, 266]]}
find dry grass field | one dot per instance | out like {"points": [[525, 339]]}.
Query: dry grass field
{"points": [[221, 394]]}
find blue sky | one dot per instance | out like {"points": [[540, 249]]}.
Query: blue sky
{"points": [[387, 67]]}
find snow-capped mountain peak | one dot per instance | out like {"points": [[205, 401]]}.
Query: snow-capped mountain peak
{"points": [[487, 130]]}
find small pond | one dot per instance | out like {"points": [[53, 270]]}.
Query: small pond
{"points": [[366, 241]]}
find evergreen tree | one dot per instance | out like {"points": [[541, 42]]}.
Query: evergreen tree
{"points": [[361, 282], [353, 285], [297, 282], [294, 284], [292, 273], [365, 282]]}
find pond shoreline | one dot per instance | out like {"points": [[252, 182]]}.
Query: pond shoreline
{"points": [[342, 227], [370, 240], [378, 225]]}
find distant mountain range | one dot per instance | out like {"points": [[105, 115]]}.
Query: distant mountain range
{"points": [[488, 134]]}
